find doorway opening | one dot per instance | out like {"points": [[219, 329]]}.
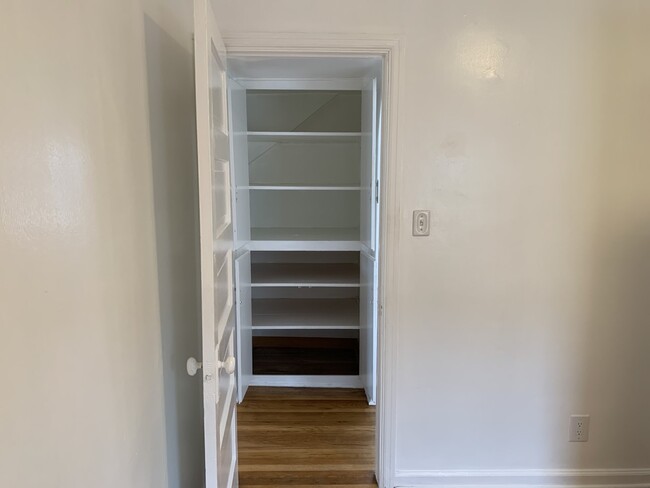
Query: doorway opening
{"points": [[305, 179]]}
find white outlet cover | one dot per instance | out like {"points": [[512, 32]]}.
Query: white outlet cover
{"points": [[421, 223], [579, 428]]}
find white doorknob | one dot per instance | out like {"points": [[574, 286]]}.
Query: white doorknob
{"points": [[228, 365], [192, 366]]}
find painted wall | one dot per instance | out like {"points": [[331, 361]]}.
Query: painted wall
{"points": [[524, 128], [98, 303]]}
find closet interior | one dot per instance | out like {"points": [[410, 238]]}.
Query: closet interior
{"points": [[305, 202]]}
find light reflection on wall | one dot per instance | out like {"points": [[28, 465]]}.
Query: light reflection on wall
{"points": [[43, 195], [481, 54]]}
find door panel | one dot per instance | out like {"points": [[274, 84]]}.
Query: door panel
{"points": [[227, 386], [368, 326], [216, 251], [223, 292], [221, 194], [368, 266], [239, 162], [244, 324], [368, 202]]}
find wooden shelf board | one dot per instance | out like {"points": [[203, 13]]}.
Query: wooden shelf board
{"points": [[264, 136], [297, 245], [305, 274], [292, 314], [304, 234], [305, 326], [304, 239], [299, 188]]}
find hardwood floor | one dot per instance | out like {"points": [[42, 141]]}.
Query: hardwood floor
{"points": [[303, 437]]}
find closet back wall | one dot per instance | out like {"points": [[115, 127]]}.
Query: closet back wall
{"points": [[329, 163], [523, 127]]}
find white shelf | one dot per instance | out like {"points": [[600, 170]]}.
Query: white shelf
{"points": [[304, 234], [305, 275], [304, 239], [300, 188], [300, 314], [298, 245], [256, 136]]}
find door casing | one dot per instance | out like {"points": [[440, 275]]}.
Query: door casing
{"points": [[390, 50]]}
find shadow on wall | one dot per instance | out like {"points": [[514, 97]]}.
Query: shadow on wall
{"points": [[172, 132], [618, 345]]}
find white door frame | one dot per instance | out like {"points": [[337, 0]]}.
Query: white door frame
{"points": [[389, 48]]}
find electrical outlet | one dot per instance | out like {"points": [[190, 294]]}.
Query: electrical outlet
{"points": [[421, 222], [579, 428]]}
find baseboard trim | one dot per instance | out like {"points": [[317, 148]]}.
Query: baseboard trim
{"points": [[525, 478], [307, 381]]}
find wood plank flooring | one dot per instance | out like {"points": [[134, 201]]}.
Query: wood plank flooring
{"points": [[304, 437]]}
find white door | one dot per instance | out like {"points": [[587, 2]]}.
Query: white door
{"points": [[368, 326], [216, 252], [368, 203], [368, 262], [239, 163], [244, 324]]}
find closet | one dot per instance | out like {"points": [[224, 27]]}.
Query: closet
{"points": [[304, 173]]}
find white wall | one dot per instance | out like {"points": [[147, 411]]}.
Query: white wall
{"points": [[524, 128], [93, 393]]}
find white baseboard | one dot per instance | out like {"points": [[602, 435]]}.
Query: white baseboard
{"points": [[307, 381], [524, 478]]}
